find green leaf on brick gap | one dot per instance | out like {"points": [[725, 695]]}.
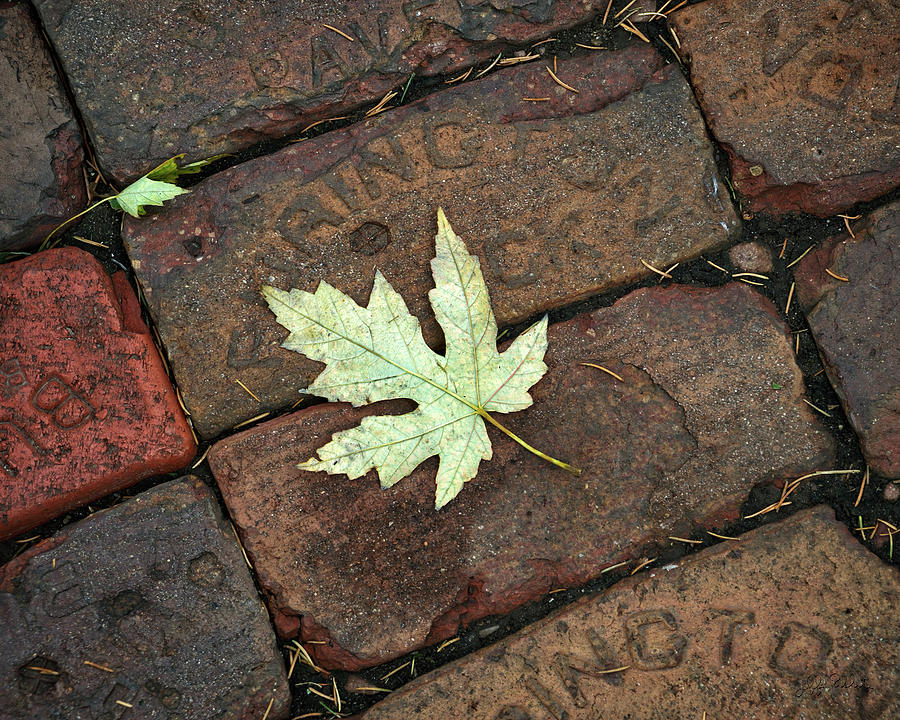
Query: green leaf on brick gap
{"points": [[378, 353], [143, 192]]}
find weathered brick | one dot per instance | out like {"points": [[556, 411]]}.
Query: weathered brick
{"points": [[560, 199], [40, 177], [856, 329], [155, 80], [793, 620], [86, 406], [145, 610], [802, 94], [674, 448]]}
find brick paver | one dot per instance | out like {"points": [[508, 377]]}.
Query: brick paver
{"points": [[560, 199], [86, 406], [803, 95], [853, 318], [794, 620], [672, 449], [204, 78], [146, 610], [40, 176]]}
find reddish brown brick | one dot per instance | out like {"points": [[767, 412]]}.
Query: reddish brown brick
{"points": [[149, 604], [86, 407], [560, 199], [855, 326], [40, 176], [802, 94], [794, 620], [155, 80], [673, 449]]}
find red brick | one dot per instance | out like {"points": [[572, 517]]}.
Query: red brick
{"points": [[155, 590], [794, 620], [154, 80], [40, 177], [560, 199], [803, 96], [856, 328], [86, 407], [673, 449]]}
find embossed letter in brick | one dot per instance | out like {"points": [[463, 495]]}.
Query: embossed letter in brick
{"points": [[40, 145], [674, 448], [803, 95], [86, 407], [559, 199], [729, 633], [145, 610]]}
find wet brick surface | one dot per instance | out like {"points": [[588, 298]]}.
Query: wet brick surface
{"points": [[146, 610], [212, 77], [560, 199], [674, 448], [855, 326], [802, 94], [793, 620], [86, 406], [40, 175]]}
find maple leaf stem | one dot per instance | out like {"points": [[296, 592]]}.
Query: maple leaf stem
{"points": [[559, 463], [46, 243]]}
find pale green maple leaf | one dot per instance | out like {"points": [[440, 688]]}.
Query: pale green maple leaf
{"points": [[142, 192], [378, 353]]}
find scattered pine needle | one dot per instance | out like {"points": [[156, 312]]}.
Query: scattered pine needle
{"points": [[42, 670], [648, 14], [104, 668], [606, 14], [787, 307], [305, 657], [665, 5], [862, 486], [783, 248], [669, 271], [294, 657], [634, 31], [268, 709], [459, 78], [624, 9], [395, 670], [181, 402], [750, 274], [251, 420], [86, 241], [324, 120], [847, 219], [611, 670], [241, 546], [614, 567], [202, 458], [837, 277], [544, 42], [412, 668], [673, 50], [770, 508], [249, 391], [717, 267], [516, 60], [802, 255], [679, 5], [329, 698], [674, 35], [337, 695], [685, 540], [815, 407], [590, 47], [129, 705], [721, 537], [531, 99], [28, 540], [606, 370], [751, 282], [560, 82], [447, 643], [644, 564], [341, 33], [406, 89], [381, 106], [490, 67], [372, 688], [656, 270]]}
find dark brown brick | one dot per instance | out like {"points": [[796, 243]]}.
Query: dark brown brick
{"points": [[156, 592], [40, 176], [803, 95], [856, 328], [86, 406], [560, 199], [673, 449], [793, 620], [155, 80]]}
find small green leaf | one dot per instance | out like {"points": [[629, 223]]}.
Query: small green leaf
{"points": [[169, 171], [775, 386], [143, 192]]}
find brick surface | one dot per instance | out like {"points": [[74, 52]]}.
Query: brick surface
{"points": [[155, 591], [212, 77], [795, 620], [40, 177], [856, 328], [803, 95], [560, 199], [675, 447], [86, 406]]}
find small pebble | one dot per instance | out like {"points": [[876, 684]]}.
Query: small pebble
{"points": [[751, 257], [891, 492], [489, 630]]}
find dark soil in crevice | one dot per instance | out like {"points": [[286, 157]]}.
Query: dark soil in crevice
{"points": [[800, 232]]}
